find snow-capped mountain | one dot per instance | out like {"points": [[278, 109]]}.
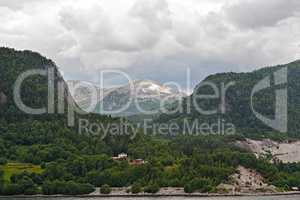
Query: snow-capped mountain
{"points": [[136, 97]]}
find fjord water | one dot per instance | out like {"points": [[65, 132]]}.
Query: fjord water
{"points": [[291, 197]]}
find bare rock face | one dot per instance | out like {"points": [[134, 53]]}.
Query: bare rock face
{"points": [[246, 181], [247, 178], [286, 152]]}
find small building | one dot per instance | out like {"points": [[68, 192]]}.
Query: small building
{"points": [[121, 156], [137, 162]]}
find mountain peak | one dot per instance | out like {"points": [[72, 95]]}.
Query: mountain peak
{"points": [[147, 92], [150, 86]]}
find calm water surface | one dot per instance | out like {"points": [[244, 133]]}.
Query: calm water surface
{"points": [[171, 198]]}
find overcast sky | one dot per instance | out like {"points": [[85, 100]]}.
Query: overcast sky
{"points": [[154, 39]]}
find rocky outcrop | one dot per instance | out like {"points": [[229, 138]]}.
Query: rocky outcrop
{"points": [[246, 181], [286, 152]]}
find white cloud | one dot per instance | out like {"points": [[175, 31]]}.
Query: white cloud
{"points": [[154, 39], [17, 4]]}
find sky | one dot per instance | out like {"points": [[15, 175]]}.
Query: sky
{"points": [[154, 39]]}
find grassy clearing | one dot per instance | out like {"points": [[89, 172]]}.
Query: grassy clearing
{"points": [[15, 168]]}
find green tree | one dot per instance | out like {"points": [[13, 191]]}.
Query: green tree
{"points": [[136, 188], [198, 184], [105, 189], [152, 188]]}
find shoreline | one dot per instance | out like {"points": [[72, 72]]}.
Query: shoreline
{"points": [[155, 195]]}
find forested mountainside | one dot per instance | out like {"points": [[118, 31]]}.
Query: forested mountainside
{"points": [[42, 155], [238, 100], [34, 91]]}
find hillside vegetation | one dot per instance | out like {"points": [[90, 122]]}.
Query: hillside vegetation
{"points": [[73, 163], [237, 102]]}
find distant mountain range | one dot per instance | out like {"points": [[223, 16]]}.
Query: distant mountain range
{"points": [[134, 98]]}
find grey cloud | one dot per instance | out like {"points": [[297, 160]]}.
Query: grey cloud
{"points": [[152, 40], [215, 26], [154, 14], [260, 13], [95, 30]]}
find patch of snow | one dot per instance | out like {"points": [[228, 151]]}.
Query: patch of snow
{"points": [[154, 87]]}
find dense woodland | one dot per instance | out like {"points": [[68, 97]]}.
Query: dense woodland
{"points": [[237, 102], [73, 163]]}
